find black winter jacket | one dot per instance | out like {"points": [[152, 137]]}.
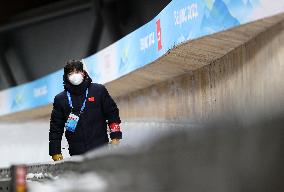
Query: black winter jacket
{"points": [[91, 130]]}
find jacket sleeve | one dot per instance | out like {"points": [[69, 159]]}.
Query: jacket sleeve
{"points": [[111, 113], [57, 122]]}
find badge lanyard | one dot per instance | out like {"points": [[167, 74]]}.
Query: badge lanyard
{"points": [[84, 103]]}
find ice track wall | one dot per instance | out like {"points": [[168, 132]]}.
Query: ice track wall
{"points": [[246, 83]]}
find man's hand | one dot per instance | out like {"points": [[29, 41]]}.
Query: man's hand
{"points": [[57, 157], [114, 141]]}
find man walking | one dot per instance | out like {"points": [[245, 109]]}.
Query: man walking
{"points": [[83, 110]]}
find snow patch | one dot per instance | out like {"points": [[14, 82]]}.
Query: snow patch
{"points": [[71, 182]]}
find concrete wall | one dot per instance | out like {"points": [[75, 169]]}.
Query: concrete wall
{"points": [[247, 82]]}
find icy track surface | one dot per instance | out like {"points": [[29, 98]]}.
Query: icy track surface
{"points": [[27, 142], [24, 142], [71, 182], [218, 157]]}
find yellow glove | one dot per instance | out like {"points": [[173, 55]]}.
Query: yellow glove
{"points": [[114, 141], [57, 157]]}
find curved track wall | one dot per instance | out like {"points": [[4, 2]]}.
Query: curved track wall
{"points": [[247, 82]]}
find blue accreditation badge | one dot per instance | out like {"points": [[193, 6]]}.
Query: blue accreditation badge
{"points": [[71, 122]]}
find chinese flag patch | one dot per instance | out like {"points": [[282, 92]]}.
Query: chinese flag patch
{"points": [[91, 99]]}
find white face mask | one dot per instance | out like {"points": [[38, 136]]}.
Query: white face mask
{"points": [[76, 78]]}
